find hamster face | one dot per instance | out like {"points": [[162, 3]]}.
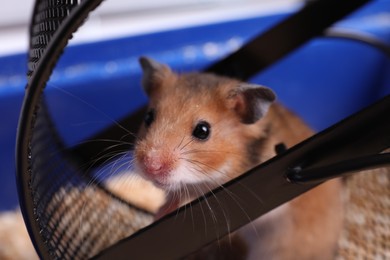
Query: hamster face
{"points": [[184, 140], [192, 137]]}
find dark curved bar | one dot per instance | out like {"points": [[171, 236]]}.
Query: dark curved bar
{"points": [[40, 69], [291, 33], [361, 38], [320, 174]]}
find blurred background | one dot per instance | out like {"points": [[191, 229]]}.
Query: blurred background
{"points": [[97, 78], [117, 18]]}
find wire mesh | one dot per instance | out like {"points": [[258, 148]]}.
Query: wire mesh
{"points": [[70, 215]]}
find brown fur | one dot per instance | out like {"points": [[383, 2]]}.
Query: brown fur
{"points": [[305, 228], [314, 220]]}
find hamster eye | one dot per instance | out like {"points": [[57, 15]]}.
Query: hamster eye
{"points": [[149, 117], [202, 130]]}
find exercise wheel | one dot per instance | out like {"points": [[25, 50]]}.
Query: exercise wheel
{"points": [[54, 173], [54, 185]]}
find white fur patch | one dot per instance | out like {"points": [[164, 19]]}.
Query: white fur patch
{"points": [[188, 173]]}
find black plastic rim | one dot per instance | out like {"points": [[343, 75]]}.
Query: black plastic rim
{"points": [[29, 109]]}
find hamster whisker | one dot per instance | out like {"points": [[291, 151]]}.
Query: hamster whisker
{"points": [[251, 192], [227, 219], [197, 162], [109, 148], [199, 168], [213, 216], [200, 193], [177, 196], [115, 166], [105, 115], [187, 195], [234, 197], [65, 149], [95, 176], [133, 135], [104, 158], [111, 165], [180, 142], [120, 141], [203, 214], [127, 179], [191, 140]]}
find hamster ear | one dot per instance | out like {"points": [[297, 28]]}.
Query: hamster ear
{"points": [[153, 73], [250, 102]]}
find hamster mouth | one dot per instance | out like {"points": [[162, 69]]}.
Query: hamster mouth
{"points": [[167, 185], [161, 183]]}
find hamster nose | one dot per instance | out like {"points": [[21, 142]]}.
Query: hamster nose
{"points": [[155, 166]]}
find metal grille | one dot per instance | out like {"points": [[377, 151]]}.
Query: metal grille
{"points": [[69, 214], [48, 16], [77, 217]]}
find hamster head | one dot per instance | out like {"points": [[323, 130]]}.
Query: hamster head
{"points": [[200, 129]]}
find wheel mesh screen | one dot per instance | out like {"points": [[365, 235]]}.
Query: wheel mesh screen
{"points": [[77, 218], [48, 16]]}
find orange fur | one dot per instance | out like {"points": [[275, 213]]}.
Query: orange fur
{"points": [[305, 228]]}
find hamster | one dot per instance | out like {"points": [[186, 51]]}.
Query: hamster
{"points": [[202, 130]]}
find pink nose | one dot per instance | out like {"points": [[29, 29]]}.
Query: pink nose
{"points": [[155, 166]]}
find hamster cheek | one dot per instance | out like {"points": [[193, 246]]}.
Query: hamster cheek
{"points": [[209, 165]]}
